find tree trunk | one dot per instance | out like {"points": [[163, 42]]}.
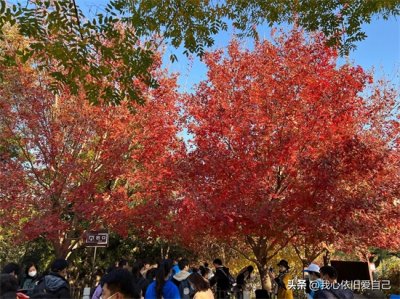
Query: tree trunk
{"points": [[264, 251], [265, 280], [259, 247], [61, 249]]}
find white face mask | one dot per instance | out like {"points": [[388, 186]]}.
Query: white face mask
{"points": [[32, 273], [101, 297]]}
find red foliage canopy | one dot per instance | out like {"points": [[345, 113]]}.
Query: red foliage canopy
{"points": [[286, 142], [68, 166]]}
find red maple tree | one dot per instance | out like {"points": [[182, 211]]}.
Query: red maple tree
{"points": [[286, 142], [67, 166]]}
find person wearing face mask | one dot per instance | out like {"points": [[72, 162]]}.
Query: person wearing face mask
{"points": [[118, 284], [31, 278]]}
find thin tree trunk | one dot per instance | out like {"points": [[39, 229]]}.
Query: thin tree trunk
{"points": [[265, 280]]}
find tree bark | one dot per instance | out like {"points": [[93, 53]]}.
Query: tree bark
{"points": [[264, 251], [259, 248], [265, 280]]}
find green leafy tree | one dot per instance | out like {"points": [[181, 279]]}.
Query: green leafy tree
{"points": [[72, 40]]}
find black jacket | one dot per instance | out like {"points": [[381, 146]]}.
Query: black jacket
{"points": [[30, 283], [54, 285], [335, 292], [141, 284], [221, 278]]}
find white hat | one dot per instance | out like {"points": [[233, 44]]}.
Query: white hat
{"points": [[312, 268]]}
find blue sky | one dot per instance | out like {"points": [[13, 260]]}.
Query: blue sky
{"points": [[379, 51]]}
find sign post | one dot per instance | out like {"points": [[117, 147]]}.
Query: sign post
{"points": [[96, 239]]}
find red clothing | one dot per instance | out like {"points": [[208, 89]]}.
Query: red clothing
{"points": [[22, 296]]}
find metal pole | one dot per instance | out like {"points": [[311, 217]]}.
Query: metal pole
{"points": [[94, 259]]}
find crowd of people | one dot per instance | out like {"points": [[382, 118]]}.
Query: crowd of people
{"points": [[166, 279]]}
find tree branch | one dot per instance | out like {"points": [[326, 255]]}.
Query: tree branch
{"points": [[78, 21], [280, 247], [244, 254]]}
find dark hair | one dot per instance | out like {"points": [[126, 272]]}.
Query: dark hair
{"points": [[194, 269], [217, 262], [121, 280], [199, 283], [8, 286], [151, 274], [28, 266], [136, 267], [9, 268], [284, 263], [59, 265], [330, 271], [162, 273], [182, 264], [315, 273], [159, 261], [206, 264], [122, 263], [147, 261], [204, 271], [110, 268], [250, 269], [99, 273]]}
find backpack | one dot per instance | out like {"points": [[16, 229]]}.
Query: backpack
{"points": [[231, 279], [41, 291], [185, 290]]}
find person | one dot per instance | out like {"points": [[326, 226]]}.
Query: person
{"points": [[163, 287], [12, 269], [124, 264], [55, 284], [118, 284], [331, 289], [208, 270], [221, 279], [140, 281], [205, 273], [99, 288], [200, 286], [175, 266], [262, 294], [151, 275], [8, 286], [180, 279], [147, 267], [31, 278], [242, 279], [314, 282], [282, 280]]}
